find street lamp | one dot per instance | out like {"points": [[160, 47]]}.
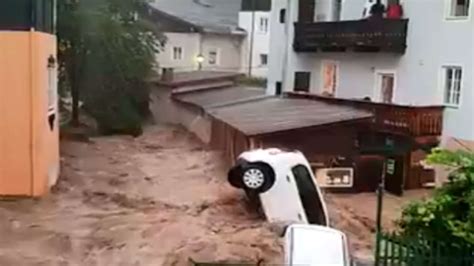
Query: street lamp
{"points": [[200, 60]]}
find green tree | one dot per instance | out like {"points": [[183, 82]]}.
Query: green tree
{"points": [[106, 53], [449, 215]]}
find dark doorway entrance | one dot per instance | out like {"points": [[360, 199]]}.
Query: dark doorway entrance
{"points": [[394, 174], [370, 169]]}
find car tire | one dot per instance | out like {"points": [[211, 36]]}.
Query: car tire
{"points": [[257, 177]]}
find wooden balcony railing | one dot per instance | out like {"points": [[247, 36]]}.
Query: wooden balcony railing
{"points": [[416, 121], [386, 35]]}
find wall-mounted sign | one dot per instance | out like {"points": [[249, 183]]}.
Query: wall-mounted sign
{"points": [[335, 177], [390, 166]]}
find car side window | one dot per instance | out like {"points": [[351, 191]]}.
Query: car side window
{"points": [[309, 196]]}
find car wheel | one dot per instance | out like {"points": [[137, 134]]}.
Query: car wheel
{"points": [[257, 177]]}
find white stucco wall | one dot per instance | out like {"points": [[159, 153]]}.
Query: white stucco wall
{"points": [[189, 42], [261, 42], [229, 51], [278, 44], [433, 41]]}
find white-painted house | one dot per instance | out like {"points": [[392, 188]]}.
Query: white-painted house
{"points": [[200, 34], [424, 59], [254, 18]]}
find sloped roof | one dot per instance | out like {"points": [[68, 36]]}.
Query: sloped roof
{"points": [[276, 114], [221, 96], [213, 16]]}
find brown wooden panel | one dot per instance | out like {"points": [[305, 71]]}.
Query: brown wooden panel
{"points": [[358, 35]]}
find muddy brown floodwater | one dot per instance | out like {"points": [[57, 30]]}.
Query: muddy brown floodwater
{"points": [[159, 199]]}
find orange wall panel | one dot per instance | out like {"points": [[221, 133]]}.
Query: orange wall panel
{"points": [[15, 109], [29, 150]]}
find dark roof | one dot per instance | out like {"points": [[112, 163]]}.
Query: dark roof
{"points": [[277, 114], [256, 5], [214, 16], [220, 97]]}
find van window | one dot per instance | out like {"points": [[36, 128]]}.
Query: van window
{"points": [[309, 196]]}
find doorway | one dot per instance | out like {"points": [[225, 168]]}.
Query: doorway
{"points": [[330, 74], [385, 86]]}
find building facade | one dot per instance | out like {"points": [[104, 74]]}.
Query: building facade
{"points": [[254, 18], [200, 35], [424, 58]]}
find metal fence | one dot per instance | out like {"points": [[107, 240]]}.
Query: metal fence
{"points": [[394, 250]]}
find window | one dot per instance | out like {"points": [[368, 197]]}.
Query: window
{"points": [[26, 14], [459, 8], [309, 195], [263, 27], [52, 85], [278, 88], [177, 53], [335, 177], [452, 85], [263, 59], [302, 81], [282, 17], [213, 56], [385, 86]]}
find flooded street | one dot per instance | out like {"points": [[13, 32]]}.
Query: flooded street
{"points": [[160, 199]]}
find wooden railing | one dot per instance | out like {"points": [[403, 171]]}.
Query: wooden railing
{"points": [[415, 121], [357, 35]]}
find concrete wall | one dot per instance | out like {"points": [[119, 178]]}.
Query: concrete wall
{"points": [[433, 41], [167, 111], [190, 44], [261, 43], [29, 148]]}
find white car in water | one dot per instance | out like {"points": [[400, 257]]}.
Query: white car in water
{"points": [[315, 245], [282, 184]]}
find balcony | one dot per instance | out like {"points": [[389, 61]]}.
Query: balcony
{"points": [[355, 35], [414, 121]]}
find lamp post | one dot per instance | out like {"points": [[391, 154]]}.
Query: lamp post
{"points": [[200, 60]]}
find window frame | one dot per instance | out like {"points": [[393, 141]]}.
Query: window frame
{"points": [[262, 56], [378, 95], [263, 27], [449, 10], [173, 53], [336, 79], [451, 95], [296, 83], [217, 59]]}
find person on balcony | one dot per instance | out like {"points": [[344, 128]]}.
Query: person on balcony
{"points": [[367, 7], [377, 10], [394, 10]]}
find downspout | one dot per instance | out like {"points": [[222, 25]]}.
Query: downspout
{"points": [[287, 45], [252, 38]]}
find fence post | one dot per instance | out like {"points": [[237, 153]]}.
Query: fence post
{"points": [[378, 232]]}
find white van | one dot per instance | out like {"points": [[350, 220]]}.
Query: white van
{"points": [[283, 184]]}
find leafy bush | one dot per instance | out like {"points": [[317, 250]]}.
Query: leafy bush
{"points": [[449, 214], [106, 54]]}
